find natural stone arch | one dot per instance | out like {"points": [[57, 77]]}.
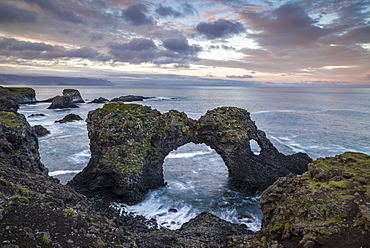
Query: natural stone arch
{"points": [[129, 143]]}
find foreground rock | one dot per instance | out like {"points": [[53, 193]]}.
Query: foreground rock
{"points": [[8, 105], [19, 95], [69, 118], [74, 95], [328, 206], [129, 143], [62, 102]]}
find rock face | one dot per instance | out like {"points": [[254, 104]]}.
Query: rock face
{"points": [[8, 105], [129, 143], [19, 95], [74, 95], [328, 206], [69, 118], [19, 143], [62, 102]]}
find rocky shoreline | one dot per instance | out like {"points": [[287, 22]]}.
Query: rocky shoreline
{"points": [[327, 206]]}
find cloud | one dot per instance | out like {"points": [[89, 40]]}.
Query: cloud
{"points": [[137, 15], [220, 29], [287, 26], [181, 45], [167, 11], [37, 50], [12, 14], [239, 77], [136, 51], [57, 10]]}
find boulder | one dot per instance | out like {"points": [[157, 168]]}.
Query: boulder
{"points": [[74, 94], [62, 102], [41, 131], [19, 95], [69, 118], [129, 143]]}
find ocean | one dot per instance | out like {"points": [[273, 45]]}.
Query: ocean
{"points": [[318, 121]]}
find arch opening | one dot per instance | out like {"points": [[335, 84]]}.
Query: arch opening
{"points": [[197, 181], [255, 147]]}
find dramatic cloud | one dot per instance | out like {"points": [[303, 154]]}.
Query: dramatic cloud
{"points": [[181, 46], [12, 14], [136, 51], [287, 26], [168, 11], [137, 15], [52, 7], [220, 28]]}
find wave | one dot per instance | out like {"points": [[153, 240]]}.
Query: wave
{"points": [[187, 154], [298, 111], [162, 98], [63, 172]]}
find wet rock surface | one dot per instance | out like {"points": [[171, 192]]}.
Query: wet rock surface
{"points": [[62, 102], [69, 118], [129, 143]]}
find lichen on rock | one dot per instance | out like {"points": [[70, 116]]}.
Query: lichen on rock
{"points": [[19, 95], [129, 143]]}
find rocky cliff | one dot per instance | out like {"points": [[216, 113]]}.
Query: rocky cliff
{"points": [[19, 95], [129, 143]]}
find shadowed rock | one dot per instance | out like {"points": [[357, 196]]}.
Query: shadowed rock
{"points": [[19, 95], [62, 102], [8, 105], [41, 131], [129, 143], [130, 98], [74, 95], [99, 100], [69, 118]]}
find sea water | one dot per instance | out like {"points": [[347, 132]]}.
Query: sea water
{"points": [[319, 122]]}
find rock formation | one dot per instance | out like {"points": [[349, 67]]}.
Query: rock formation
{"points": [[19, 95], [74, 95], [19, 143], [129, 143], [62, 102], [99, 100], [8, 105], [129, 98], [328, 206], [69, 118], [41, 131]]}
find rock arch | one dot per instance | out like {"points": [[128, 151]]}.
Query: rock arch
{"points": [[129, 143]]}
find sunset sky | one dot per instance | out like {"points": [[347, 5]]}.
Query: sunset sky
{"points": [[292, 42]]}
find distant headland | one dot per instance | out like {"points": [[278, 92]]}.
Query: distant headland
{"points": [[7, 79]]}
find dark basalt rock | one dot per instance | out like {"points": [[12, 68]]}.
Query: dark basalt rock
{"points": [[69, 118], [19, 95], [19, 143], [99, 100], [130, 98], [36, 115], [129, 143], [8, 105], [62, 102], [74, 94], [41, 131]]}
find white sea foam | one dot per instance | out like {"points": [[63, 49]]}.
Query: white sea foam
{"points": [[187, 154], [62, 172]]}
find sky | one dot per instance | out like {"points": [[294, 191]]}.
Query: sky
{"points": [[325, 42]]}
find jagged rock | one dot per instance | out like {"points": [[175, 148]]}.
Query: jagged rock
{"points": [[41, 131], [36, 115], [100, 100], [19, 143], [8, 105], [62, 102], [19, 95], [129, 143], [130, 98], [69, 118], [327, 206], [74, 94]]}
